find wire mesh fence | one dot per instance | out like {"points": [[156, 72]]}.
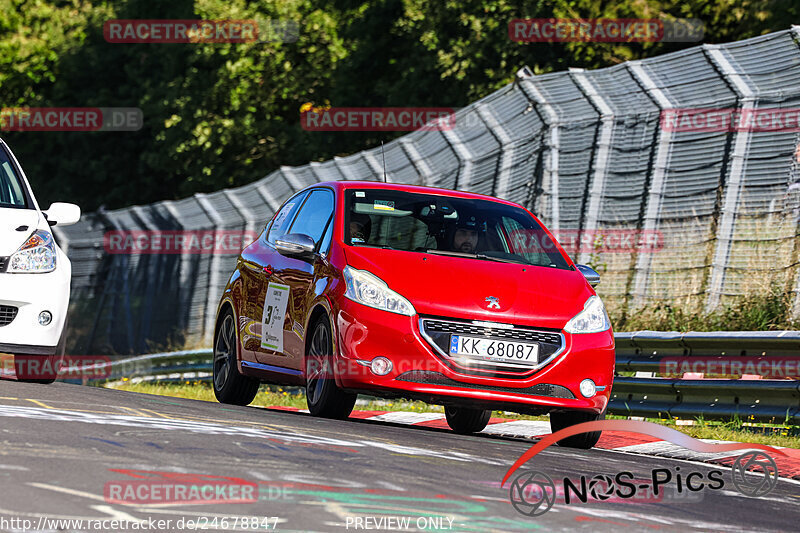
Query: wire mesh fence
{"points": [[694, 211]]}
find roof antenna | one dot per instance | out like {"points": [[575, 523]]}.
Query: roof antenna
{"points": [[384, 163]]}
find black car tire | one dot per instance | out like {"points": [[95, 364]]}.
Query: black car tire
{"points": [[324, 398], [230, 386], [464, 421], [564, 419]]}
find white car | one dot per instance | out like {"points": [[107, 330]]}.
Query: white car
{"points": [[34, 275]]}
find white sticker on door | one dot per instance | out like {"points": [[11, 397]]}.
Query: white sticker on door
{"points": [[273, 317]]}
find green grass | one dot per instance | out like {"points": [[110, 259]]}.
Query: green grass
{"points": [[731, 430], [272, 395], [769, 309]]}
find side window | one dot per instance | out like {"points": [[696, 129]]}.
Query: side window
{"points": [[284, 217], [314, 215], [11, 194]]}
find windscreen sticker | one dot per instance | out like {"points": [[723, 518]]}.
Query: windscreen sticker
{"points": [[360, 194], [384, 205], [273, 318]]}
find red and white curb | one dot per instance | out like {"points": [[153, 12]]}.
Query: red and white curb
{"points": [[619, 441]]}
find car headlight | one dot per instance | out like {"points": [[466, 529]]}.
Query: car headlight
{"points": [[36, 255], [368, 289], [593, 318]]}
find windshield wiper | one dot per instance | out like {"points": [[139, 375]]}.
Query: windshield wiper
{"points": [[383, 246], [478, 256], [503, 259], [448, 252]]}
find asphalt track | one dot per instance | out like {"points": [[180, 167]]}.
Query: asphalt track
{"points": [[63, 445]]}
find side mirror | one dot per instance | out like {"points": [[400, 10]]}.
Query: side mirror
{"points": [[590, 274], [62, 214], [296, 245]]}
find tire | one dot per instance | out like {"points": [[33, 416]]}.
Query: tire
{"points": [[465, 421], [230, 386], [49, 363], [583, 441], [324, 398]]}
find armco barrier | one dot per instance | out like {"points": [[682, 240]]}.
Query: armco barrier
{"points": [[775, 400], [767, 400], [168, 366]]}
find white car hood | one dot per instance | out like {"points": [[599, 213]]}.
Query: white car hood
{"points": [[10, 220]]}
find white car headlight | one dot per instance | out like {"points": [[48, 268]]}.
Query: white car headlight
{"points": [[593, 318], [36, 255], [368, 289]]}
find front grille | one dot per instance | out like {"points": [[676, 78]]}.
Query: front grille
{"points": [[3, 264], [435, 378], [7, 314], [516, 334], [438, 330]]}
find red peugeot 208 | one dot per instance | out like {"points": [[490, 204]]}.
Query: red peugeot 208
{"points": [[390, 290]]}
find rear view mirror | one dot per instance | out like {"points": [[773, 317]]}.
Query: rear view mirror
{"points": [[590, 274], [295, 245], [62, 214]]}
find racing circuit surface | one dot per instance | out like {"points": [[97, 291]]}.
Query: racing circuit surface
{"points": [[63, 445]]}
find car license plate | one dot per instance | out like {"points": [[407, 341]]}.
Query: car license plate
{"points": [[494, 349]]}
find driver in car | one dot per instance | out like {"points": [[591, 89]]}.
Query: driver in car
{"points": [[360, 227], [465, 238]]}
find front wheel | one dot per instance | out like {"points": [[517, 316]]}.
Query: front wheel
{"points": [[584, 441], [465, 421], [323, 396], [229, 385]]}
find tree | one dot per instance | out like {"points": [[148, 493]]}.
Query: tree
{"points": [[221, 115]]}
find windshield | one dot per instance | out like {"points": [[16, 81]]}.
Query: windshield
{"points": [[479, 229], [11, 191]]}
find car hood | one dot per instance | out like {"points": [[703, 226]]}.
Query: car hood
{"points": [[459, 287], [10, 220]]}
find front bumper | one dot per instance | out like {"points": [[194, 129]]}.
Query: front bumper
{"points": [[364, 333], [31, 294]]}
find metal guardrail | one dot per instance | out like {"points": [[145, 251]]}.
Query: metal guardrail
{"points": [[766, 400], [163, 367]]}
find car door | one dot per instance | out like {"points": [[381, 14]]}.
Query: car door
{"points": [[293, 279], [256, 268]]}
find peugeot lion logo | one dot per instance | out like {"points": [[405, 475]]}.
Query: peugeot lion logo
{"points": [[494, 302]]}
